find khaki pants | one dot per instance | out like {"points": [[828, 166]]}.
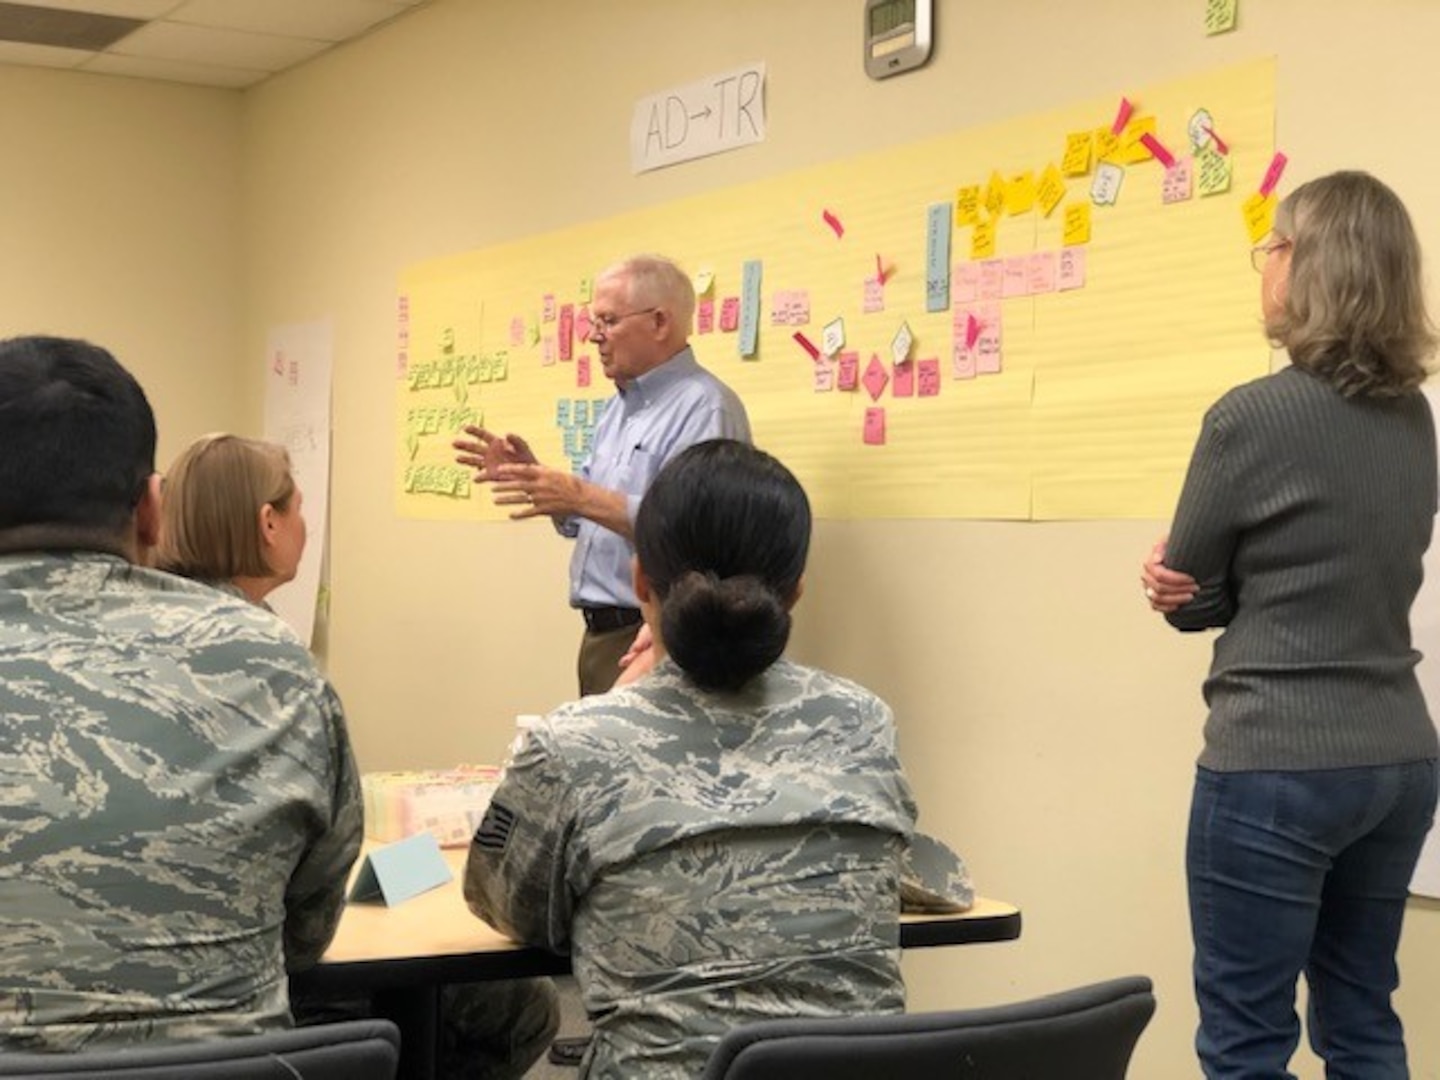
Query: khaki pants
{"points": [[600, 653]]}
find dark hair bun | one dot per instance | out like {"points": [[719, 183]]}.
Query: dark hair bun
{"points": [[723, 632]]}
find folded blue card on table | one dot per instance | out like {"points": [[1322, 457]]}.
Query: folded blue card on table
{"points": [[401, 870]]}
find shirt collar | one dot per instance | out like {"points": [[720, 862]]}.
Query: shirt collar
{"points": [[646, 388]]}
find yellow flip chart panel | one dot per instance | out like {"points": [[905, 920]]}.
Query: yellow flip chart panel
{"points": [[1089, 324]]}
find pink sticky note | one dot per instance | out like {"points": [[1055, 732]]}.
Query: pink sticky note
{"points": [[824, 377], [806, 344], [965, 283], [517, 331], [1122, 116], [1072, 269], [1041, 272], [928, 372], [730, 314], [547, 351], [904, 385], [567, 332], [874, 299], [582, 371], [547, 308], [874, 426], [1017, 276], [705, 316], [834, 223], [847, 377], [1156, 147], [875, 377], [962, 357], [1273, 173], [992, 279], [1179, 182], [988, 344], [583, 323]]}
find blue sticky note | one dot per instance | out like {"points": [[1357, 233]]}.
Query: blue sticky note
{"points": [[750, 308], [937, 258], [398, 871]]}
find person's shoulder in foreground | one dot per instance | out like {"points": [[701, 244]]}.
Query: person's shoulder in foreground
{"points": [[181, 802]]}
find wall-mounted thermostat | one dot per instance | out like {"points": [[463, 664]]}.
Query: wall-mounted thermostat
{"points": [[899, 35]]}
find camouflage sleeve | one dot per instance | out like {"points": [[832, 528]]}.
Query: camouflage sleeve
{"points": [[515, 876], [316, 893]]}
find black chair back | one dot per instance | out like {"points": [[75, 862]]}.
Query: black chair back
{"points": [[1084, 1034], [353, 1050]]}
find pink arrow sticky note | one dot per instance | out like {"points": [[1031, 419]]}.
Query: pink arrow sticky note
{"points": [[1151, 143], [879, 269], [1122, 116], [972, 331], [1273, 173], [834, 223], [1220, 144], [806, 344]]}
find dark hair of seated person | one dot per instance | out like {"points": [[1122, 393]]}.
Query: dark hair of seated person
{"points": [[721, 536]]}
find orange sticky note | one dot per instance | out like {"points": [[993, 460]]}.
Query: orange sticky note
{"points": [[1020, 193], [982, 240], [1077, 223], [967, 205], [1076, 161], [1050, 190]]}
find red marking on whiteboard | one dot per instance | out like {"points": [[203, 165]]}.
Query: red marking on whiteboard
{"points": [[834, 223], [1122, 117], [1220, 143], [806, 344]]}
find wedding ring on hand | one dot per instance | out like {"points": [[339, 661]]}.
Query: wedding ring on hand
{"points": [[1149, 593]]}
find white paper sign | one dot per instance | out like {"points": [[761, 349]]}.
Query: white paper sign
{"points": [[297, 416], [719, 113], [1425, 635]]}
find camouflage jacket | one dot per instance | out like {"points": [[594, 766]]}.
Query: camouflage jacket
{"points": [[708, 859], [179, 803]]}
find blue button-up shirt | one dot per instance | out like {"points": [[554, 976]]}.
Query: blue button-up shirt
{"points": [[648, 422]]}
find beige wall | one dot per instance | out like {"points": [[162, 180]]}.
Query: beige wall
{"points": [[121, 203], [1049, 722]]}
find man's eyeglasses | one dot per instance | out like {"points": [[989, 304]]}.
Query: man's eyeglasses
{"points": [[603, 324], [1259, 254]]}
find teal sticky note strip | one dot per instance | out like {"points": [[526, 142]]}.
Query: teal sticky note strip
{"points": [[398, 871], [750, 308], [937, 257]]}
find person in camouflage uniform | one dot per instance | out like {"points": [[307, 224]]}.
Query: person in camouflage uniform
{"points": [[720, 841], [180, 804]]}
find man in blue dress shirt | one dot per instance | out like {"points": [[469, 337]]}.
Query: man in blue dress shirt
{"points": [[665, 401]]}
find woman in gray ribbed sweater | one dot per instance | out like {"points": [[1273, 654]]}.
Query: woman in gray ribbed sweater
{"points": [[1307, 508]]}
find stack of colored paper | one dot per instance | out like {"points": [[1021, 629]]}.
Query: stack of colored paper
{"points": [[448, 803]]}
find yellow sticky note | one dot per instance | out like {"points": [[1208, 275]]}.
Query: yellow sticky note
{"points": [[1212, 172], [704, 281], [1220, 15], [532, 332], [587, 290], [1077, 223], [995, 195], [1107, 146], [1020, 193], [967, 205], [982, 240], [1076, 161], [1259, 211], [1132, 150], [1050, 190]]}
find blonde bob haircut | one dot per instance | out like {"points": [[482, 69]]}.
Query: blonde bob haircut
{"points": [[1354, 310], [213, 495]]}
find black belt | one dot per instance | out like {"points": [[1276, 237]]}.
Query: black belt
{"points": [[600, 619]]}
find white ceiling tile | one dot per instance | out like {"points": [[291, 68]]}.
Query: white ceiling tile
{"points": [[327, 20], [130, 9], [15, 52], [174, 71], [228, 48]]}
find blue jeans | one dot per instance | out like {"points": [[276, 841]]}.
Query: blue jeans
{"points": [[1308, 872]]}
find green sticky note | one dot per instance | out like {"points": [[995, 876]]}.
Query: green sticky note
{"points": [[1220, 15]]}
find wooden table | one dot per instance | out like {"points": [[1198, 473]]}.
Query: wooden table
{"points": [[403, 955]]}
